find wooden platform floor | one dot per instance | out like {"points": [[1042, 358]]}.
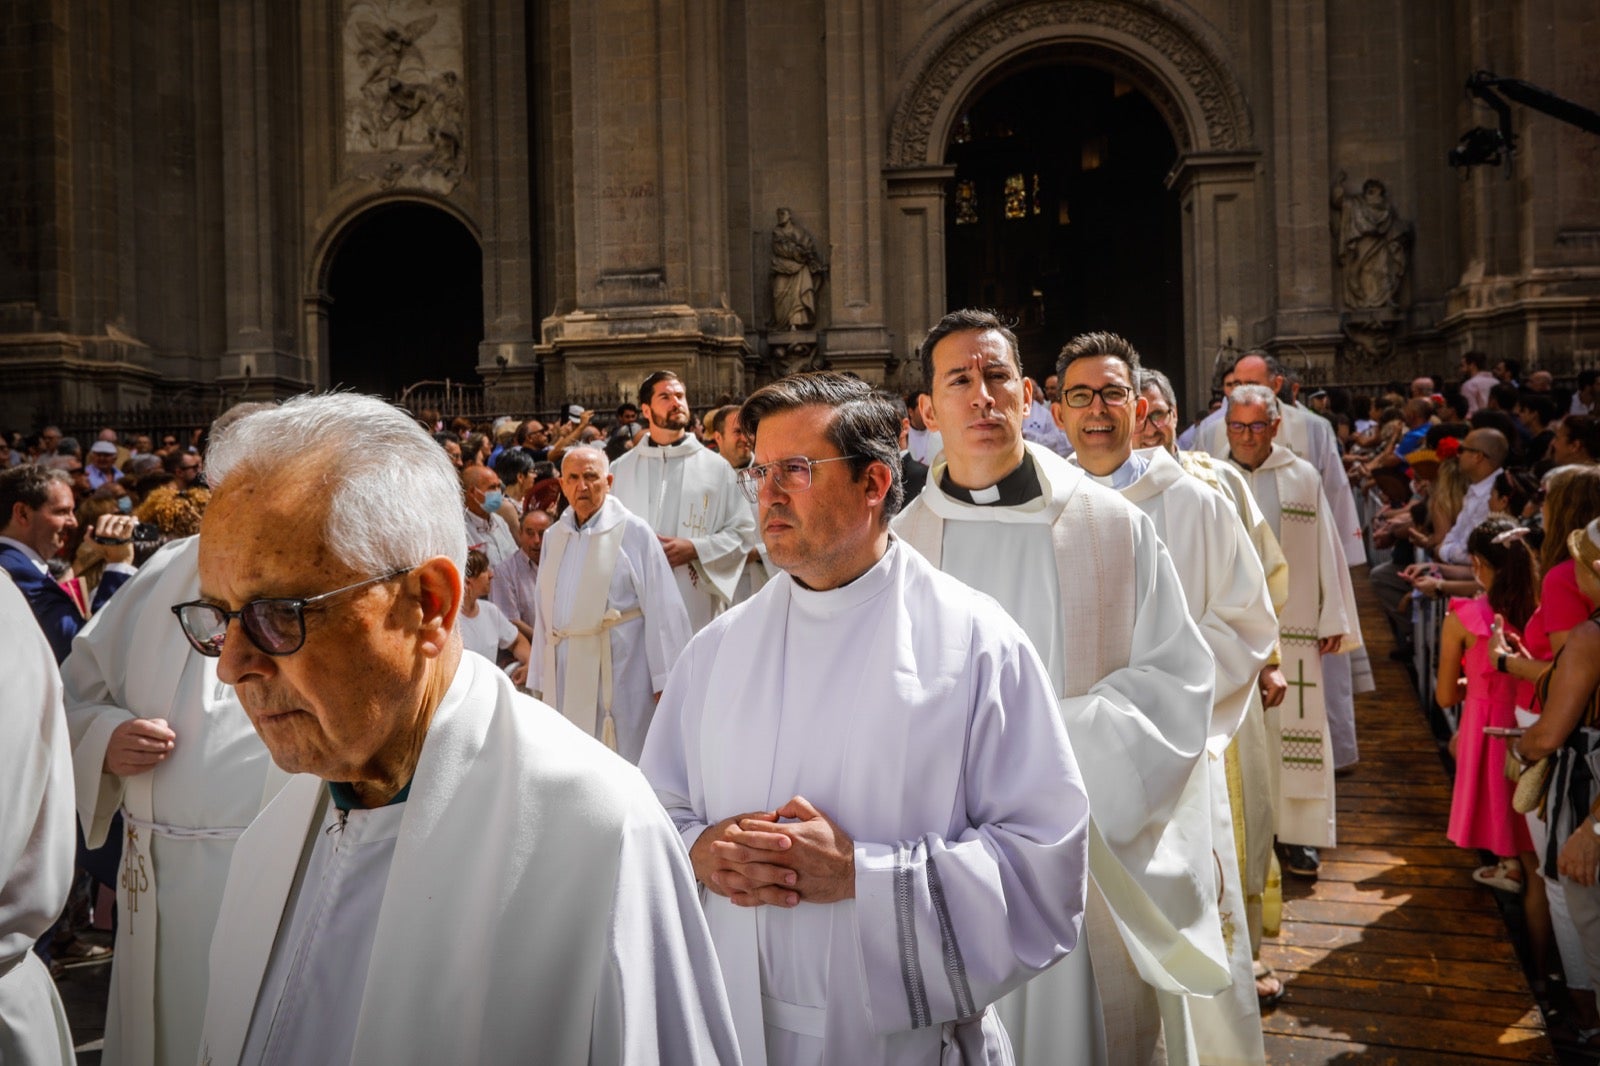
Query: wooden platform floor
{"points": [[1395, 955]]}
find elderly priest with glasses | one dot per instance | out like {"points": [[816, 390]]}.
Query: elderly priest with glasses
{"points": [[867, 765], [457, 874]]}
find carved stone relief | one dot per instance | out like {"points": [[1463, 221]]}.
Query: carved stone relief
{"points": [[1373, 250], [404, 99]]}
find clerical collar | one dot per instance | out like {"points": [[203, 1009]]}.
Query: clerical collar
{"points": [[344, 796], [651, 441], [1015, 489], [1131, 470]]}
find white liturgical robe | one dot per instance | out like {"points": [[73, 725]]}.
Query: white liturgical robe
{"points": [[537, 905], [687, 490], [36, 838], [915, 715], [1321, 604], [181, 818], [643, 647], [1227, 595], [1084, 573]]}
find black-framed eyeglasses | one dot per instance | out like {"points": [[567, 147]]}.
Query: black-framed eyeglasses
{"points": [[277, 626], [1111, 395], [1249, 427], [1158, 417], [789, 475]]}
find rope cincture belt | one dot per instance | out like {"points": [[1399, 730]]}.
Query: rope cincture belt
{"points": [[610, 620]]}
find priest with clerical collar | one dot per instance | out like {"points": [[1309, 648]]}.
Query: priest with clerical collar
{"points": [[1085, 575], [456, 874]]}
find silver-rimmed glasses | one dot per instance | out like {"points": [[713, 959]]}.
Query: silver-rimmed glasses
{"points": [[277, 626], [788, 475]]}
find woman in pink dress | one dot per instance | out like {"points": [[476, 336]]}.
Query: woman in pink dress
{"points": [[1480, 807]]}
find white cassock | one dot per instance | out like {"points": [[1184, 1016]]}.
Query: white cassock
{"points": [[687, 490], [512, 587], [1085, 575], [758, 571], [614, 614], [1249, 777], [1227, 596], [492, 536], [36, 837], [915, 715], [181, 819], [528, 900], [1039, 426], [1321, 604], [1310, 437], [925, 445]]}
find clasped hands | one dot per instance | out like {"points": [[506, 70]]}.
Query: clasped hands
{"points": [[759, 858]]}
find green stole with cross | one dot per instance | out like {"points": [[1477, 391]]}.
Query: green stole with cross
{"points": [[1304, 749]]}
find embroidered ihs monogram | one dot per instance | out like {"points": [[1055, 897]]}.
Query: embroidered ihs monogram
{"points": [[135, 878], [697, 519]]}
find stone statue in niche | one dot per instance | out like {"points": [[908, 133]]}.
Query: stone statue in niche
{"points": [[797, 274], [401, 101], [1374, 245]]}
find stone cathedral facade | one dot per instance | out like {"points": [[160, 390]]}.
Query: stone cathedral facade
{"points": [[551, 198]]}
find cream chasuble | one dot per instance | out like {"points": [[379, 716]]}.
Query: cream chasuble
{"points": [[36, 838], [1228, 599], [686, 490], [914, 714], [610, 625], [1084, 573], [180, 819], [538, 905], [1250, 789], [1321, 604]]}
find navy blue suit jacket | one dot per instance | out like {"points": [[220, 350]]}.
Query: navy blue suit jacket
{"points": [[56, 611]]}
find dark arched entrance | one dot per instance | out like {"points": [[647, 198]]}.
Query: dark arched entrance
{"points": [[405, 293], [1059, 215]]}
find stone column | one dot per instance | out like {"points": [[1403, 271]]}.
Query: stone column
{"points": [[916, 198], [855, 336], [1223, 261], [1304, 312], [649, 239], [259, 225]]}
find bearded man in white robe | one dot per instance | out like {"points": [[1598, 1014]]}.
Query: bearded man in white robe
{"points": [[456, 874], [1085, 575], [1319, 620], [867, 766], [36, 837], [610, 622], [1226, 593], [1310, 437], [687, 494], [1249, 780], [732, 444]]}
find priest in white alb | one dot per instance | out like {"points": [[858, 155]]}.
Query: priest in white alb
{"points": [[1084, 574], [867, 766], [1227, 597], [687, 494], [456, 873], [610, 622], [157, 735], [1310, 437], [36, 837], [1319, 620]]}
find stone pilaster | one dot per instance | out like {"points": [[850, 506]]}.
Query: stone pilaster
{"points": [[916, 235]]}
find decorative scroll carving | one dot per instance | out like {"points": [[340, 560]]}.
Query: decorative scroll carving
{"points": [[1221, 103], [405, 105]]}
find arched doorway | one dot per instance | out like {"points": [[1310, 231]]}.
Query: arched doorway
{"points": [[1059, 215], [405, 300]]}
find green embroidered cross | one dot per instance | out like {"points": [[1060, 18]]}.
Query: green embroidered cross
{"points": [[1301, 684]]}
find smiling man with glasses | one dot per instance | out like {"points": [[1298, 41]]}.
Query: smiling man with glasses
{"points": [[927, 804], [445, 832], [1225, 593]]}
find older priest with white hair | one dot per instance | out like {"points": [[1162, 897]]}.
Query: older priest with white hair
{"points": [[457, 875], [866, 763], [610, 622]]}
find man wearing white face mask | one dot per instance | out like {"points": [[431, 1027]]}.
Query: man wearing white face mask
{"points": [[486, 530]]}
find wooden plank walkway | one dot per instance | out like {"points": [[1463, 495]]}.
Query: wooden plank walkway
{"points": [[1395, 955]]}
